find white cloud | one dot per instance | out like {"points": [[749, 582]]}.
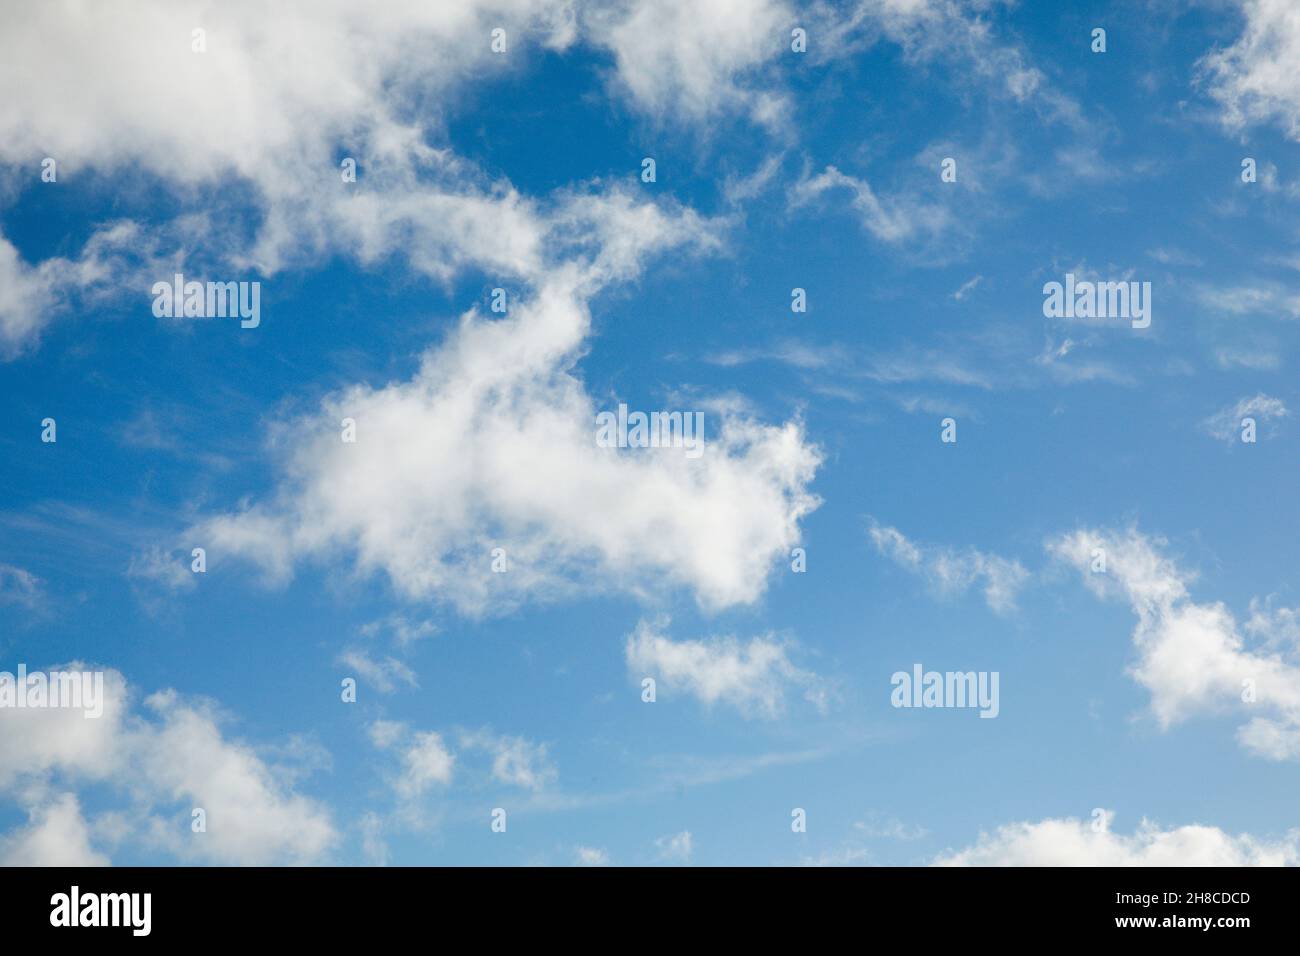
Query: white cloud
{"points": [[425, 760], [383, 675], [1225, 424], [1257, 358], [1191, 656], [967, 287], [1254, 80], [1071, 842], [958, 33], [951, 571], [19, 586], [751, 676], [167, 758], [889, 220], [888, 828], [840, 856], [590, 856], [1258, 298], [492, 444], [251, 819], [56, 835], [373, 846], [423, 757], [680, 59], [404, 631], [516, 761], [675, 848], [31, 294], [271, 105]]}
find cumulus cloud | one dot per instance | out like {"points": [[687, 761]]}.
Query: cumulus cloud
{"points": [[681, 59], [951, 571], [492, 444], [167, 757], [56, 834], [1072, 842], [424, 760], [125, 90], [752, 676], [1226, 424], [1193, 657], [1254, 79]]}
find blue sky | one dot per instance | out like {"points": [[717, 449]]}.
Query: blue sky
{"points": [[775, 170]]}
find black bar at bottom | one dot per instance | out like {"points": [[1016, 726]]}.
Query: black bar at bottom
{"points": [[338, 905]]}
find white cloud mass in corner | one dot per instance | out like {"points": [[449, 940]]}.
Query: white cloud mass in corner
{"points": [[166, 758], [1254, 80], [1072, 842], [752, 676], [952, 571], [1192, 657]]}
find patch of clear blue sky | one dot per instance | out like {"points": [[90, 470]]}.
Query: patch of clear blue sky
{"points": [[1036, 457]]}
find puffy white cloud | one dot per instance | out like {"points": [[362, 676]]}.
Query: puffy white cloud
{"points": [[251, 818], [1254, 80], [425, 761], [168, 758], [1192, 657], [36, 742], [681, 59], [493, 444], [260, 120], [56, 835], [752, 676], [1071, 842], [952, 571], [276, 85], [1225, 424]]}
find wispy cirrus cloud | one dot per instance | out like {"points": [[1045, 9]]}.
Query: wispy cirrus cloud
{"points": [[952, 571]]}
